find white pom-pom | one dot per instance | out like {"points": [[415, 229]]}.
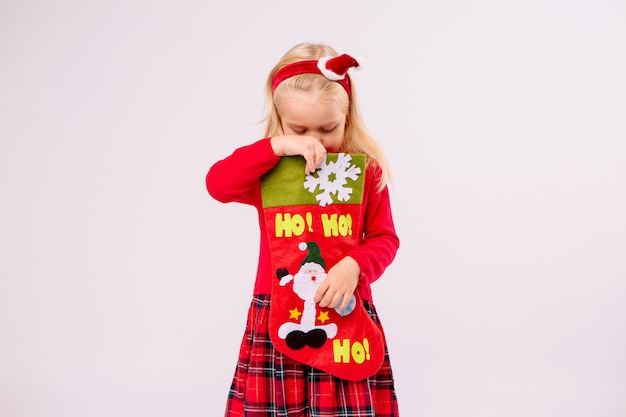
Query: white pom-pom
{"points": [[302, 246], [330, 74]]}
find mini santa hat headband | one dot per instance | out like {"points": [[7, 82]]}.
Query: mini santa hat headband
{"points": [[333, 68]]}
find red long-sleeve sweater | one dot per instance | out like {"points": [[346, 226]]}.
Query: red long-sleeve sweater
{"points": [[237, 179]]}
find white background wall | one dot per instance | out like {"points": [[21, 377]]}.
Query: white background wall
{"points": [[124, 286]]}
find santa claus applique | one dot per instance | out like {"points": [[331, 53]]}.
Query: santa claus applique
{"points": [[312, 326]]}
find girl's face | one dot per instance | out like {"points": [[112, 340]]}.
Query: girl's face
{"points": [[305, 113]]}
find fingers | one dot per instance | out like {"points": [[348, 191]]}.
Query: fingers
{"points": [[307, 146], [321, 292], [339, 285], [313, 153], [329, 298], [313, 162], [334, 300], [325, 296]]}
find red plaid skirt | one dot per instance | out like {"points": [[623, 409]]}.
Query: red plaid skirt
{"points": [[269, 384]]}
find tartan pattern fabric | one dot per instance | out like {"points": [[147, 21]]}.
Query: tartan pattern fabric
{"points": [[269, 384]]}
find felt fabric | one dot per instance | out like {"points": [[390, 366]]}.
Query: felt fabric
{"points": [[312, 222], [268, 383], [237, 178]]}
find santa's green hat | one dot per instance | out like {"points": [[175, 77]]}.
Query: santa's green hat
{"points": [[314, 255]]}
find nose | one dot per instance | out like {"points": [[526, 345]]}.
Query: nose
{"points": [[313, 278]]}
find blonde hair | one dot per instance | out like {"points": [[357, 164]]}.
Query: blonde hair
{"points": [[356, 139]]}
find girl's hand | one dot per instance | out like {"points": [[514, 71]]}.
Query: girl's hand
{"points": [[307, 146], [339, 284]]}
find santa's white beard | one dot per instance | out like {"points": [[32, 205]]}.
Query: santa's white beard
{"points": [[305, 286]]}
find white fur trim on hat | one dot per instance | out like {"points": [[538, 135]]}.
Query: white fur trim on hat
{"points": [[330, 74]]}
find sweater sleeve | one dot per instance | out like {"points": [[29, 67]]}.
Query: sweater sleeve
{"points": [[236, 177], [380, 241]]}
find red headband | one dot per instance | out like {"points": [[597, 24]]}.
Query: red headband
{"points": [[333, 68]]}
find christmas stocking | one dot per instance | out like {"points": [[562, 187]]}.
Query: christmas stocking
{"points": [[313, 221]]}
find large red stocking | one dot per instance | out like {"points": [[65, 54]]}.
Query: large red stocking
{"points": [[313, 221]]}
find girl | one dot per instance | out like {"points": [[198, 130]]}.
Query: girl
{"points": [[312, 111]]}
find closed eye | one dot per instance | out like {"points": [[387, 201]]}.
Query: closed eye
{"points": [[297, 130]]}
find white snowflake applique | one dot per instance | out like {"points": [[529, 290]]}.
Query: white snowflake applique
{"points": [[331, 178]]}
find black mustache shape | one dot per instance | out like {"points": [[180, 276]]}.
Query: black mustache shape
{"points": [[297, 339]]}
